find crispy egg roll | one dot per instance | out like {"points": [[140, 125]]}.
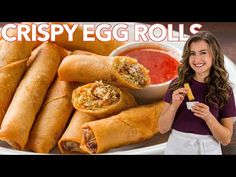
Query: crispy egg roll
{"points": [[101, 100], [131, 126], [10, 77], [119, 70], [52, 118], [13, 60], [29, 96], [189, 92], [33, 55], [82, 52], [63, 53], [71, 138], [97, 46], [16, 50]]}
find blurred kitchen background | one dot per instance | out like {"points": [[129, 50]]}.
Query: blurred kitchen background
{"points": [[224, 31]]}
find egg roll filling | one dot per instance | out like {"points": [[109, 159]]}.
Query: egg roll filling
{"points": [[132, 71], [97, 96], [71, 146], [90, 140]]}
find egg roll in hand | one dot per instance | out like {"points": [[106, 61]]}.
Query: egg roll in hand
{"points": [[189, 92], [131, 126], [119, 70], [101, 100]]}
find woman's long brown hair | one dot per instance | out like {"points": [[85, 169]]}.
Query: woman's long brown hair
{"points": [[217, 80]]}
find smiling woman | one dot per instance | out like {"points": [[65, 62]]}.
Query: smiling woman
{"points": [[210, 120], [201, 58]]}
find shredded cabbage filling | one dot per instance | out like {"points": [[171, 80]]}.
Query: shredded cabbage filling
{"points": [[97, 96]]}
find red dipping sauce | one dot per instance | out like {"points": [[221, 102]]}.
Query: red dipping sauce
{"points": [[162, 67]]}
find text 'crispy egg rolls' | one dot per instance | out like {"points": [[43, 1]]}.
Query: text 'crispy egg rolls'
{"points": [[71, 138], [101, 100], [120, 71], [52, 118], [13, 59], [29, 97], [131, 126], [78, 43]]}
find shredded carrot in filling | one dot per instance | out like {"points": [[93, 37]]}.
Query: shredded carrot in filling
{"points": [[97, 96]]}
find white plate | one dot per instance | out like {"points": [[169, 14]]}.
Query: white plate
{"points": [[155, 145]]}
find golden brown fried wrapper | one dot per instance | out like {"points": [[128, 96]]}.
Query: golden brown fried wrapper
{"points": [[13, 60], [10, 77], [63, 53], [101, 100], [120, 71], [29, 96], [128, 127], [71, 139], [82, 52], [52, 118]]}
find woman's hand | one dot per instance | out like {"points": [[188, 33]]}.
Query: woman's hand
{"points": [[202, 110], [222, 131], [178, 96]]}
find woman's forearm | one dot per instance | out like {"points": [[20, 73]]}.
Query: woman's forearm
{"points": [[166, 119], [220, 132]]}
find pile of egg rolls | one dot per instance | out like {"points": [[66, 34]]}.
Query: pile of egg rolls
{"points": [[72, 96]]}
